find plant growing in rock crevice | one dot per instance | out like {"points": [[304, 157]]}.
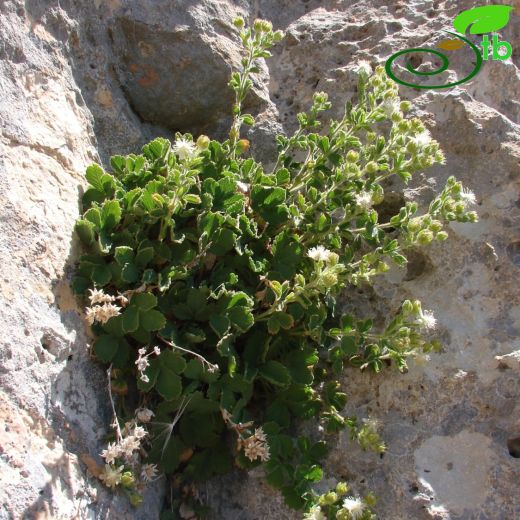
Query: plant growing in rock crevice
{"points": [[213, 283]]}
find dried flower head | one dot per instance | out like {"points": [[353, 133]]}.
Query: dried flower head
{"points": [[144, 415], [111, 475], [112, 452], [148, 472]]}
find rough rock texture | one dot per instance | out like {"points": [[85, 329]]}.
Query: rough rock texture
{"points": [[82, 80]]}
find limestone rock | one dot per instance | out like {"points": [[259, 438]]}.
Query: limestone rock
{"points": [[80, 81]]}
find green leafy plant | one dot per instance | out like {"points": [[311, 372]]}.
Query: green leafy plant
{"points": [[212, 285]]}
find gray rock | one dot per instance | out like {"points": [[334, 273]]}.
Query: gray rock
{"points": [[80, 81]]}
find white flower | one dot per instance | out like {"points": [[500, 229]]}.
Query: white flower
{"points": [[319, 253], [391, 106], [315, 513], [129, 445], [260, 435], [427, 320], [148, 472], [144, 378], [98, 296], [255, 447], [422, 139], [142, 364], [144, 415], [141, 351], [364, 200], [111, 453], [354, 506], [102, 313], [111, 476], [156, 351], [139, 432], [363, 68], [90, 315], [468, 197], [185, 149], [243, 187]]}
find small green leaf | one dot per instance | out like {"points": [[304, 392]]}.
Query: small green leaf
{"points": [[144, 300], [110, 214], [94, 176], [314, 474], [131, 319], [222, 241], [172, 361], [144, 256], [241, 318], [220, 324], [93, 215], [349, 345], [101, 275], [152, 320], [275, 373], [105, 347], [130, 273], [279, 320], [85, 231], [168, 384], [124, 255]]}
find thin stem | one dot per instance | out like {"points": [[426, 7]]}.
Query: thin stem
{"points": [[204, 361], [116, 422]]}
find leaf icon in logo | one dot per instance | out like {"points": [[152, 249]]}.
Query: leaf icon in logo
{"points": [[450, 45], [484, 19]]}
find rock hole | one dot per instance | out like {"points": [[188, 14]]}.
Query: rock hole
{"points": [[513, 446], [390, 206], [418, 264], [415, 60]]}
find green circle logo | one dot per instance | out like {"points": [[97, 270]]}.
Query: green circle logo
{"points": [[442, 68]]}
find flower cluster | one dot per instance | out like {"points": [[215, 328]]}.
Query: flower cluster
{"points": [[255, 446], [142, 362], [102, 306], [122, 461]]}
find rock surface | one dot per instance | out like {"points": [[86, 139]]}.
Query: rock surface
{"points": [[80, 81]]}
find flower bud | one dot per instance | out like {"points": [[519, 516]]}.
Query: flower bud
{"points": [[407, 307], [415, 224], [472, 216], [341, 488], [436, 226], [278, 36], [405, 106], [371, 136], [127, 479], [441, 235], [329, 498], [424, 237], [135, 499], [203, 142], [242, 146], [382, 267], [238, 22], [371, 167], [403, 125], [352, 156], [397, 117]]}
